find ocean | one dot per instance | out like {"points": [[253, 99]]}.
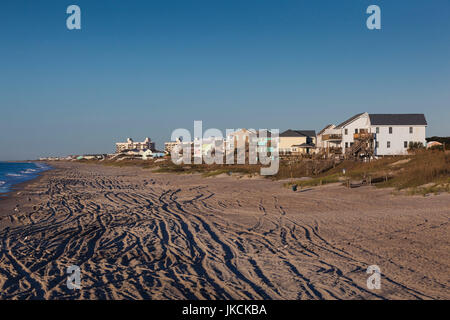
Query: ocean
{"points": [[12, 173]]}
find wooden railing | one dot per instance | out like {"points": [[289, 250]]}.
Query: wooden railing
{"points": [[363, 136], [335, 150], [333, 136]]}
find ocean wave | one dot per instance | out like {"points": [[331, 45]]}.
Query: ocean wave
{"points": [[14, 175], [28, 171], [41, 167]]}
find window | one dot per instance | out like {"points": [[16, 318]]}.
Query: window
{"points": [[346, 131], [388, 144], [378, 129], [356, 130], [390, 130], [410, 129], [346, 144], [405, 144], [377, 144]]}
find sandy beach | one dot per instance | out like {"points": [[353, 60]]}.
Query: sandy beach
{"points": [[141, 235]]}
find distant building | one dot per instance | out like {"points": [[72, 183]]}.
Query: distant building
{"points": [[94, 156], [251, 144], [265, 142], [158, 154], [168, 146], [147, 144], [147, 154], [297, 142]]}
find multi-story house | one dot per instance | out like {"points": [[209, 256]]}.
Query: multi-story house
{"points": [[168, 146], [377, 134], [147, 144]]}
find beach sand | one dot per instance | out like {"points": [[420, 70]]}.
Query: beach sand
{"points": [[140, 235]]}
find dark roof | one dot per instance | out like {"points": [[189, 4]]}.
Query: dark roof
{"points": [[298, 133], [349, 120], [305, 145], [398, 119]]}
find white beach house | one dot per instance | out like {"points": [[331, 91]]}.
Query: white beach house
{"points": [[386, 134]]}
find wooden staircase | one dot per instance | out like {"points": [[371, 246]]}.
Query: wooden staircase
{"points": [[363, 147]]}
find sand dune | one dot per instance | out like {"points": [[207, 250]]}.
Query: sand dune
{"points": [[140, 235]]}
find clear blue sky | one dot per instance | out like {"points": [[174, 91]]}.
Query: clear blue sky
{"points": [[144, 68]]}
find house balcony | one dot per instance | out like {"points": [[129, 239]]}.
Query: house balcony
{"points": [[332, 137], [363, 136]]}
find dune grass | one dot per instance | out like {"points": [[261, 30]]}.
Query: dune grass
{"points": [[318, 181], [208, 170], [426, 171], [433, 189], [302, 168], [430, 166]]}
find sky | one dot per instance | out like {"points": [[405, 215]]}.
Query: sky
{"points": [[145, 68]]}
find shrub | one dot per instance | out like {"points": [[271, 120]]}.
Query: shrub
{"points": [[415, 145]]}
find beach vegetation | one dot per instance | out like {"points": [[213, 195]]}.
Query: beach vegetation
{"points": [[424, 172]]}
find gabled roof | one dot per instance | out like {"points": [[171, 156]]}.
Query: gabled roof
{"points": [[264, 133], [261, 132], [398, 119], [242, 131], [323, 130], [339, 126], [298, 133]]}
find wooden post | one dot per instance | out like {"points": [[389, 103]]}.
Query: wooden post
{"points": [[290, 167]]}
